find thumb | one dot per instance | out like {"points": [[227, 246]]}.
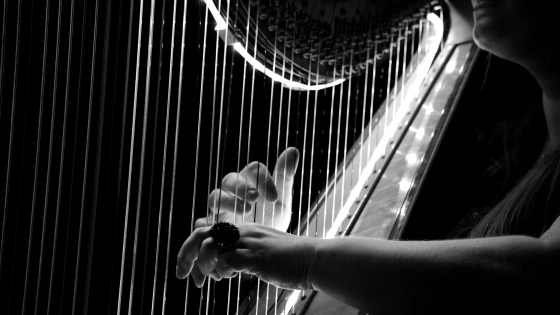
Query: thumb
{"points": [[285, 170]]}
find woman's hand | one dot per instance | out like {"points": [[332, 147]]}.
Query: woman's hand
{"points": [[254, 195], [276, 257]]}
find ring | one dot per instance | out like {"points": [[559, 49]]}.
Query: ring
{"points": [[224, 234]]}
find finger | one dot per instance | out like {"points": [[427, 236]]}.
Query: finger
{"points": [[189, 252], [285, 170], [257, 174], [237, 185], [208, 256], [237, 260], [203, 222], [198, 276], [223, 201]]}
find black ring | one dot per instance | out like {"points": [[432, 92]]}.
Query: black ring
{"points": [[224, 234]]}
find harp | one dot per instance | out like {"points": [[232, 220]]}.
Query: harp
{"points": [[117, 118]]}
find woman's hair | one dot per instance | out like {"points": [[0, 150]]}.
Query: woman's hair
{"points": [[525, 194]]}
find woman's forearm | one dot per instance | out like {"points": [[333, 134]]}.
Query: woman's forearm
{"points": [[415, 276]]}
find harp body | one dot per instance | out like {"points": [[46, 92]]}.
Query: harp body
{"points": [[118, 118]]}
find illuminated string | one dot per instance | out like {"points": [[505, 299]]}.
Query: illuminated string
{"points": [[371, 110], [364, 105], [37, 157], [175, 152], [121, 153], [132, 138], [198, 125], [62, 150], [305, 147], [142, 153], [279, 132], [152, 168], [239, 146], [394, 98], [333, 92], [218, 156], [255, 45], [47, 186], [268, 141], [12, 118], [232, 65], [210, 219], [388, 91], [164, 161], [346, 128], [338, 131], [405, 54], [313, 139]]}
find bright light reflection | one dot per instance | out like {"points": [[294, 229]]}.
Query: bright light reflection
{"points": [[221, 23], [404, 185], [393, 127], [278, 78], [422, 71], [411, 158]]}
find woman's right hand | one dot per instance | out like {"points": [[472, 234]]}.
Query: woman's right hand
{"points": [[254, 195], [275, 257]]}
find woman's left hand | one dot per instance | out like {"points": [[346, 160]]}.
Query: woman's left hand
{"points": [[276, 257]]}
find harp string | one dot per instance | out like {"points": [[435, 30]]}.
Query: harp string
{"points": [[340, 91], [364, 106], [176, 146], [165, 143], [142, 155], [241, 125], [404, 77], [131, 155], [37, 155], [63, 147], [349, 94], [333, 92], [203, 64], [98, 138], [313, 138], [388, 90], [85, 174], [266, 52], [3, 56], [210, 282], [152, 168], [232, 66], [122, 148], [255, 46], [11, 133], [275, 33], [47, 185], [219, 170], [232, 62], [397, 68], [74, 171], [371, 108]]}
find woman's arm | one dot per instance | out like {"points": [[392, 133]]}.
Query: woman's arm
{"points": [[399, 277]]}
